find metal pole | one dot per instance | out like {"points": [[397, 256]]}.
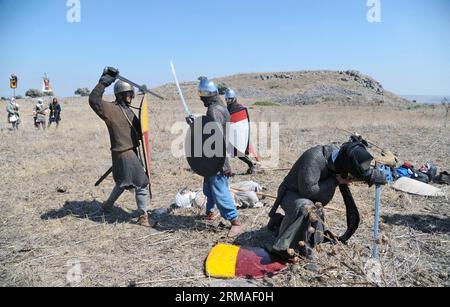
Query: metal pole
{"points": [[377, 221]]}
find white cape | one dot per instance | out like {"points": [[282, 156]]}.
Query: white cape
{"points": [[412, 186]]}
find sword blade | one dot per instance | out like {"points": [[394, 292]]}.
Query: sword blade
{"points": [[180, 92], [140, 87], [108, 172]]}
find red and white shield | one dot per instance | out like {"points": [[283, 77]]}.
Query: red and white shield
{"points": [[239, 131]]}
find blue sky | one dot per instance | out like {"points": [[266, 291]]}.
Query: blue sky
{"points": [[409, 51]]}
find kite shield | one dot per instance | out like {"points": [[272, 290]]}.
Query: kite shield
{"points": [[229, 261], [205, 147], [239, 131], [145, 148]]}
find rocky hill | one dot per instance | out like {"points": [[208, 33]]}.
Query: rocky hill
{"points": [[302, 88]]}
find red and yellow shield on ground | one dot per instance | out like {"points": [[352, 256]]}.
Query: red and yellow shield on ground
{"points": [[230, 261]]}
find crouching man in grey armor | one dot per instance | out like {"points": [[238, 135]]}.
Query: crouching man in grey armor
{"points": [[311, 185]]}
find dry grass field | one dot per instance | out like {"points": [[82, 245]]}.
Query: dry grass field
{"points": [[50, 210]]}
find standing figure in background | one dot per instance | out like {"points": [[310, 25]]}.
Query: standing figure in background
{"points": [[234, 108], [55, 113], [40, 114], [13, 109]]}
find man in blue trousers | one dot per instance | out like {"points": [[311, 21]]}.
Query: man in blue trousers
{"points": [[216, 188]]}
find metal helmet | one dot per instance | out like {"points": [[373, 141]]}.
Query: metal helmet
{"points": [[122, 87], [230, 94], [207, 88]]}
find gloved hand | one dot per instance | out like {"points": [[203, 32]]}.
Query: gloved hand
{"points": [[387, 158], [190, 120], [229, 174], [378, 177], [343, 181], [359, 138], [109, 76]]}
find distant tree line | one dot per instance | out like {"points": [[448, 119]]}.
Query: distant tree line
{"points": [[83, 92], [34, 93], [144, 88]]}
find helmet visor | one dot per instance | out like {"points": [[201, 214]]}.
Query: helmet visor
{"points": [[202, 93]]}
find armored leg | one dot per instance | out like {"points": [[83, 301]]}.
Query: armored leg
{"points": [[302, 228], [143, 199]]}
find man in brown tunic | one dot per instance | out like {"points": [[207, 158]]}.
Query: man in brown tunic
{"points": [[125, 134]]}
